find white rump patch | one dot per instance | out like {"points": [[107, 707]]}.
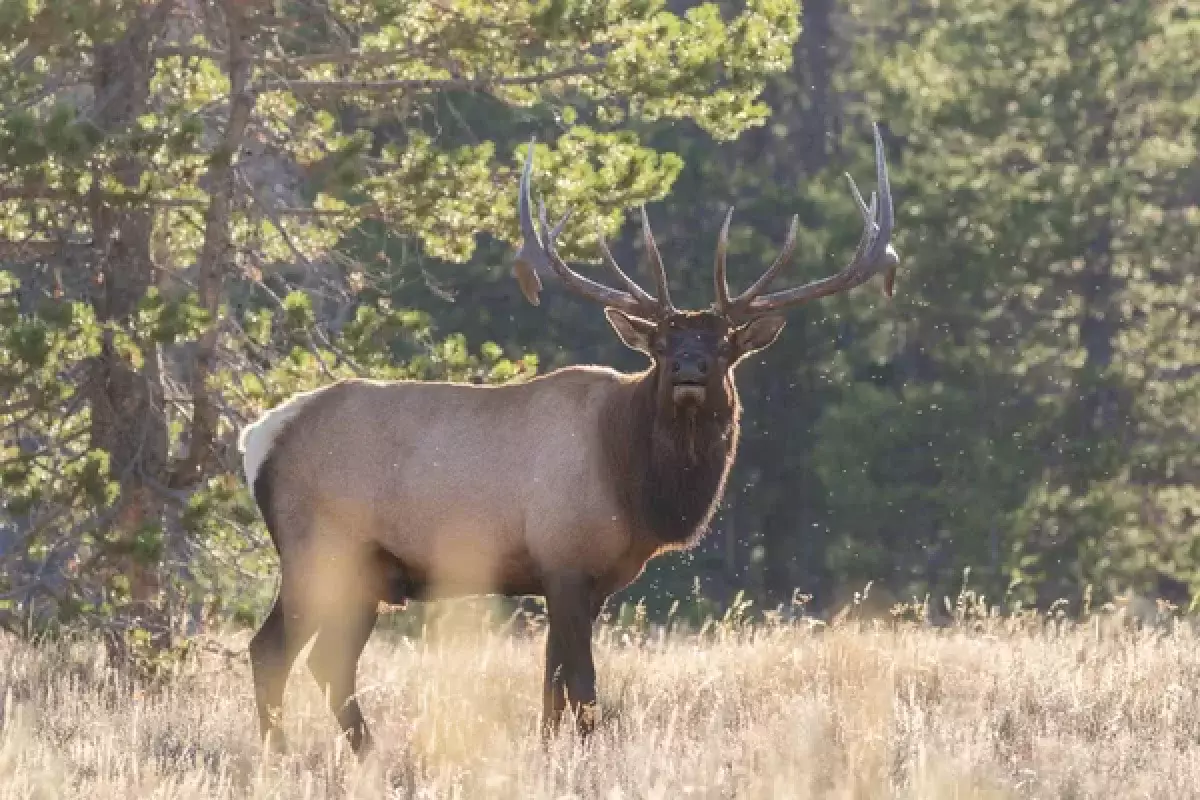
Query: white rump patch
{"points": [[257, 439]]}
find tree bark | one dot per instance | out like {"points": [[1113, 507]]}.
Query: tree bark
{"points": [[814, 49], [218, 249], [127, 419]]}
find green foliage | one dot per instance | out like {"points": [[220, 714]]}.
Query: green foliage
{"points": [[171, 265], [1026, 406], [1059, 294]]}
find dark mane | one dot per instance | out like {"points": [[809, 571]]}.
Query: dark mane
{"points": [[669, 469]]}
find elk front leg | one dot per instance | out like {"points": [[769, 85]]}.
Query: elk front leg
{"points": [[554, 692], [570, 672]]}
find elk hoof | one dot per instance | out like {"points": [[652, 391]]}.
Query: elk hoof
{"points": [[586, 718]]}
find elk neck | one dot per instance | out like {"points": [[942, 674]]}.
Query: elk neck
{"points": [[669, 464]]}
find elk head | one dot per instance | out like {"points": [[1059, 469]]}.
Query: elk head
{"points": [[696, 351]]}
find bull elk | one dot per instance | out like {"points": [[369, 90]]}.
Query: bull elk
{"points": [[563, 486]]}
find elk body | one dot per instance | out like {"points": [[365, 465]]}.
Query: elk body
{"points": [[563, 486]]}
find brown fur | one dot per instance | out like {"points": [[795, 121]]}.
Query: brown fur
{"points": [[564, 485], [657, 481], [668, 466]]}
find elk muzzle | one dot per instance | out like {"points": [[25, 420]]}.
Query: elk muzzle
{"points": [[689, 378]]}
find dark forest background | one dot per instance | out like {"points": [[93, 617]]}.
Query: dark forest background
{"points": [[207, 206]]}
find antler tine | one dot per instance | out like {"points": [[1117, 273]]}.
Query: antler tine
{"points": [[720, 276], [545, 232], [785, 255], [868, 214], [656, 262], [873, 255], [538, 251], [637, 291]]}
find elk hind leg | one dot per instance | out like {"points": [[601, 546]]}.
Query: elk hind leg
{"points": [[273, 649], [346, 625]]}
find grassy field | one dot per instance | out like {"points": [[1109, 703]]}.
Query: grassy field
{"points": [[994, 709]]}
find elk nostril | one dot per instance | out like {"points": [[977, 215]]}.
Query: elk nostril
{"points": [[702, 365], [675, 366]]}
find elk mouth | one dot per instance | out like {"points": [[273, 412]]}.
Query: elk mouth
{"points": [[689, 392]]}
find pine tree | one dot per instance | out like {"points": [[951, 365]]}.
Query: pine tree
{"points": [[193, 198]]}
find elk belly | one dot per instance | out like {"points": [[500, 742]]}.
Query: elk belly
{"points": [[467, 556]]}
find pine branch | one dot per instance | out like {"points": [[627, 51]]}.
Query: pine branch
{"points": [[428, 84], [217, 250], [377, 58]]}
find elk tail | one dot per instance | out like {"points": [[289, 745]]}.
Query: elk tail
{"points": [[257, 440]]}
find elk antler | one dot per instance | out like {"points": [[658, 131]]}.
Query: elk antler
{"points": [[538, 250], [874, 254], [656, 262]]}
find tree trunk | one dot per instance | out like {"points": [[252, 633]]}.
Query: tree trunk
{"points": [[127, 418], [814, 49]]}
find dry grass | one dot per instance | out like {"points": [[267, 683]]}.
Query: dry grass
{"points": [[997, 710]]}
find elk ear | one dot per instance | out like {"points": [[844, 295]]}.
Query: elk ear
{"points": [[635, 332], [757, 334]]}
